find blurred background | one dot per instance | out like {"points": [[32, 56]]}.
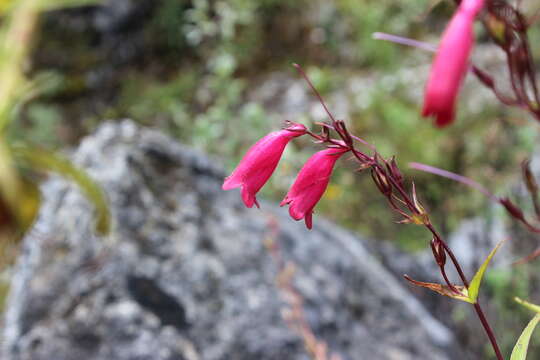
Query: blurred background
{"points": [[217, 75]]}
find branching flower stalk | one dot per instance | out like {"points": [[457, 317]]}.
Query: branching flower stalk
{"points": [[386, 176], [507, 27], [511, 208]]}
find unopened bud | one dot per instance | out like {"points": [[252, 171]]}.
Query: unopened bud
{"points": [[528, 176], [394, 170], [438, 252], [486, 79], [381, 180], [417, 205], [512, 209]]}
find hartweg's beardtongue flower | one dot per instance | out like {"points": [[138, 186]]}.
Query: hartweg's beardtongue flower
{"points": [[311, 183], [260, 162], [451, 64]]}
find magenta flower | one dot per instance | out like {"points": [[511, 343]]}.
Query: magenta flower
{"points": [[311, 183], [451, 64], [260, 162]]}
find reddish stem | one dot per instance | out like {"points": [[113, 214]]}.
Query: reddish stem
{"points": [[364, 159]]}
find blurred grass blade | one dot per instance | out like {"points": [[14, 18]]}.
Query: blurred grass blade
{"points": [[9, 179], [29, 204], [4, 290], [474, 287], [5, 6], [445, 290], [520, 349], [15, 41], [527, 304], [50, 5], [40, 159]]}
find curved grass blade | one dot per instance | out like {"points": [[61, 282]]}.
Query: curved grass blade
{"points": [[15, 40], [9, 178], [474, 287], [40, 159], [528, 305], [520, 349]]}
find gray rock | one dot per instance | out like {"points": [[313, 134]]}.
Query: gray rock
{"points": [[185, 273]]}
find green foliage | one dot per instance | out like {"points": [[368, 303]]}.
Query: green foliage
{"points": [[520, 350], [41, 159], [500, 286], [474, 287], [528, 305], [19, 197], [366, 17]]}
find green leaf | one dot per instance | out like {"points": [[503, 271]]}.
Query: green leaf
{"points": [[520, 349], [41, 159], [474, 287], [528, 305]]}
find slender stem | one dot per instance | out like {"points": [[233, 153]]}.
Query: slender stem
{"points": [[395, 183], [317, 94], [452, 257], [489, 331], [477, 307], [448, 282]]}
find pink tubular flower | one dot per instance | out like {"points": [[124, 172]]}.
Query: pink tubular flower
{"points": [[451, 64], [260, 162], [311, 183]]}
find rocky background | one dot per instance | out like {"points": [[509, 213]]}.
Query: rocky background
{"points": [[186, 264], [185, 273]]}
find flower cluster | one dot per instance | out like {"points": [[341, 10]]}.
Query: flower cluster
{"points": [[262, 159], [508, 28]]}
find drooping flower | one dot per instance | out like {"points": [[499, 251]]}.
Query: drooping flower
{"points": [[260, 162], [451, 64], [311, 183]]}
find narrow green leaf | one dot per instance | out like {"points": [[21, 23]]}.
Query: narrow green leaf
{"points": [[528, 305], [40, 159], [520, 349], [9, 178], [474, 287], [50, 5]]}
